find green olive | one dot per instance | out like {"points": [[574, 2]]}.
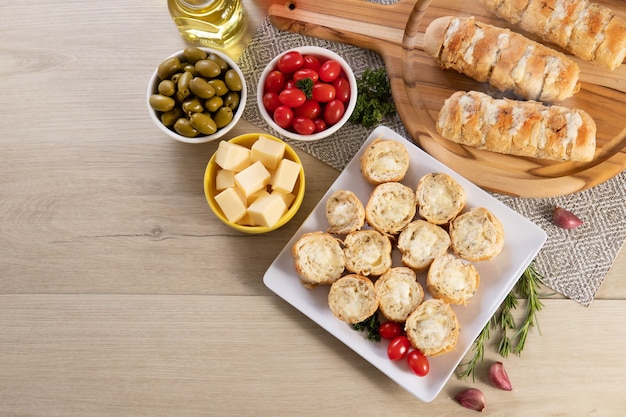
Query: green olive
{"points": [[162, 103], [183, 127], [201, 88], [231, 100], [219, 85], [168, 68], [213, 104], [223, 117], [183, 83], [203, 123], [175, 77], [219, 60], [169, 117], [190, 68], [232, 80], [208, 68], [193, 54], [167, 88], [193, 106]]}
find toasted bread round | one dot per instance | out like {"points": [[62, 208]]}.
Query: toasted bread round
{"points": [[367, 252], [391, 207], [318, 258], [433, 328], [477, 235], [398, 293], [440, 198], [352, 298], [345, 212], [421, 242], [384, 160], [452, 280]]}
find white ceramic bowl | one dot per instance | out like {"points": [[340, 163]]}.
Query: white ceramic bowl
{"points": [[326, 55], [238, 112]]}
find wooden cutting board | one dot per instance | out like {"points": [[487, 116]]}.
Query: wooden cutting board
{"points": [[419, 87]]}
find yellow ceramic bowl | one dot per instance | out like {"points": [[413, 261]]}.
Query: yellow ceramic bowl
{"points": [[248, 140]]}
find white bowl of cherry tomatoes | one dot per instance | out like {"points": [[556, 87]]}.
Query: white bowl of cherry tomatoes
{"points": [[307, 93]]}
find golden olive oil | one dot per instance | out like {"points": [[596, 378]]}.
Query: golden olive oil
{"points": [[211, 23]]}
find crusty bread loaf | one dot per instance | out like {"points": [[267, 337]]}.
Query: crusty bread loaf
{"points": [[398, 293], [524, 128], [440, 198], [318, 258], [433, 328], [421, 242], [452, 280], [391, 207], [352, 298], [384, 160], [345, 212], [477, 235], [504, 59], [367, 252], [588, 30]]}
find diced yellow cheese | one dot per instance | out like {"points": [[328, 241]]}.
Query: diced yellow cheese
{"points": [[232, 204], [247, 220], [285, 176], [232, 156], [266, 211], [224, 179], [268, 151], [252, 179], [261, 193], [288, 197]]}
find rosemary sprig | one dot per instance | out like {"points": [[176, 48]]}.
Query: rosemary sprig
{"points": [[503, 320]]}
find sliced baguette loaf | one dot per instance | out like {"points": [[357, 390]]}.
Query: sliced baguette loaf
{"points": [[352, 298], [391, 207], [384, 160], [440, 198], [367, 252], [345, 212], [421, 242], [318, 258], [477, 235], [398, 293], [452, 280], [433, 328]]}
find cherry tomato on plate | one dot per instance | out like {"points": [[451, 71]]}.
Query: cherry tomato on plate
{"points": [[290, 62], [283, 117], [292, 97], [389, 330], [329, 71], [418, 363], [274, 82], [271, 101], [303, 125], [323, 92], [333, 112], [398, 348]]}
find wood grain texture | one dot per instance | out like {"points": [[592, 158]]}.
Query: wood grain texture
{"points": [[419, 88]]}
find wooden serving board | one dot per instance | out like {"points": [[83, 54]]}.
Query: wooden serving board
{"points": [[419, 87]]}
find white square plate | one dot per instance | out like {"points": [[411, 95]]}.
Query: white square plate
{"points": [[523, 240]]}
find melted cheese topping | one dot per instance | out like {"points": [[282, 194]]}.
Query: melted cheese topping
{"points": [[468, 56]]}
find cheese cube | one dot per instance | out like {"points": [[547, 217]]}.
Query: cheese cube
{"points": [[285, 176], [267, 210], [255, 196], [288, 197], [232, 156], [232, 204], [246, 220], [268, 151], [224, 179], [252, 179]]}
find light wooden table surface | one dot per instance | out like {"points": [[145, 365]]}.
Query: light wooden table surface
{"points": [[122, 295]]}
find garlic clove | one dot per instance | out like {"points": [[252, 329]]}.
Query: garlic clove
{"points": [[565, 219], [471, 398], [498, 376]]}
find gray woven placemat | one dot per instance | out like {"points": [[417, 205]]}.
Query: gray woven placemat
{"points": [[573, 262]]}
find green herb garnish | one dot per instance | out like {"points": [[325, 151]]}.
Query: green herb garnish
{"points": [[374, 101], [369, 325], [306, 85]]}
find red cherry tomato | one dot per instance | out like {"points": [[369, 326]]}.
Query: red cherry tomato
{"points": [[290, 62], [320, 125], [305, 73], [323, 92], [310, 109], [329, 71], [311, 62], [342, 88], [274, 82], [290, 83], [303, 125], [292, 97], [398, 348], [389, 330], [271, 101], [418, 363], [333, 112], [283, 116]]}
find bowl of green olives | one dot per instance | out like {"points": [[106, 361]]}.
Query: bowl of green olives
{"points": [[196, 95]]}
